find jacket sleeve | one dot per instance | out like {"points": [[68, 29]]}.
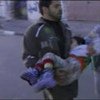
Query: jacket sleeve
{"points": [[31, 47]]}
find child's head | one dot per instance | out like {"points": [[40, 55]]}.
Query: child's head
{"points": [[76, 40], [95, 32]]}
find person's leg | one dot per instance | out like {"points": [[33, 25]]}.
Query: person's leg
{"points": [[47, 95], [64, 92], [97, 83]]}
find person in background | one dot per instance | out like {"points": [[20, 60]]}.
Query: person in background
{"points": [[93, 39], [49, 34]]}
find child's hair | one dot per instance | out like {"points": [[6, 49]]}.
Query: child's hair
{"points": [[79, 40], [96, 30]]}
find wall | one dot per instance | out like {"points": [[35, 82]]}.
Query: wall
{"points": [[6, 9], [32, 10], [83, 10], [73, 10]]}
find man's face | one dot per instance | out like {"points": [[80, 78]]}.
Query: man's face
{"points": [[54, 10]]}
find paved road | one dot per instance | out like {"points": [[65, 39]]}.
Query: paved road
{"points": [[11, 86], [11, 66]]}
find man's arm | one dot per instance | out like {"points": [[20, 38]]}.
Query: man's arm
{"points": [[31, 47]]}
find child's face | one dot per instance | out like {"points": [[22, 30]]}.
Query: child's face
{"points": [[74, 43]]}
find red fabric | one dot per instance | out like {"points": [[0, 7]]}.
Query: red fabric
{"points": [[81, 60], [48, 61], [40, 66]]}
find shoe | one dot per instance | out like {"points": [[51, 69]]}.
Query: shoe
{"points": [[30, 76], [45, 81]]}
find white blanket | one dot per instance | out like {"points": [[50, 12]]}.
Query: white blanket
{"points": [[80, 50]]}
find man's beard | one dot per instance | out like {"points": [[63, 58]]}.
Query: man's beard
{"points": [[55, 17]]}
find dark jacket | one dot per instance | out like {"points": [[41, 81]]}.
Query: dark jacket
{"points": [[41, 38]]}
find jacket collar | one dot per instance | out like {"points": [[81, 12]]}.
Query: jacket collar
{"points": [[41, 20]]}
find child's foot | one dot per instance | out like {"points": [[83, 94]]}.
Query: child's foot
{"points": [[30, 76], [45, 81]]}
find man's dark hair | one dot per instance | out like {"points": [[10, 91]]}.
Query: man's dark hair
{"points": [[44, 3], [79, 40]]}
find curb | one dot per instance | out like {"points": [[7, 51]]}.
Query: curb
{"points": [[9, 33]]}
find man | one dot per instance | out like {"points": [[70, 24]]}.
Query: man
{"points": [[50, 35]]}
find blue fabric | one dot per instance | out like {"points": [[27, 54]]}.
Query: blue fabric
{"points": [[46, 80], [31, 76]]}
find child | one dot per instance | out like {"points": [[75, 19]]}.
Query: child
{"points": [[72, 66]]}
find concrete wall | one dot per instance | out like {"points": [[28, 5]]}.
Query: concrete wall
{"points": [[6, 9], [82, 10], [2, 9], [32, 10]]}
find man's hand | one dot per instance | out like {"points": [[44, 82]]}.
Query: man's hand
{"points": [[60, 76]]}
